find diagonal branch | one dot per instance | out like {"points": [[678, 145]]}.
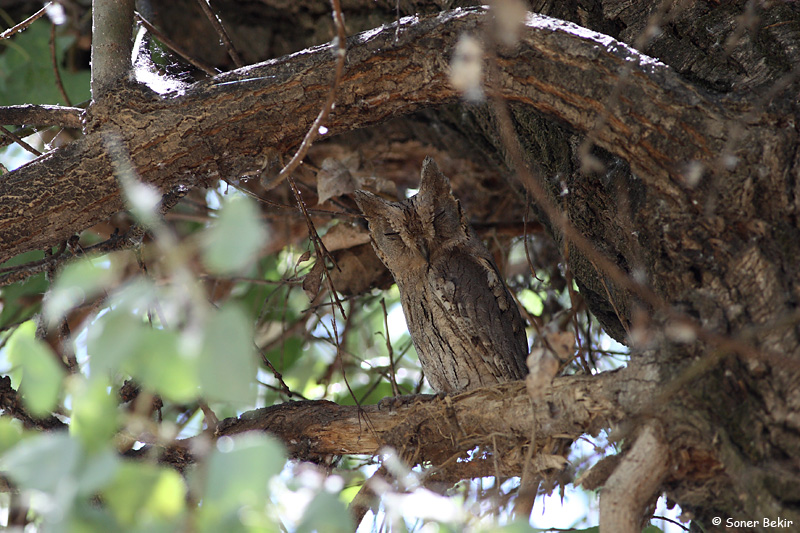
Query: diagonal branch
{"points": [[224, 127]]}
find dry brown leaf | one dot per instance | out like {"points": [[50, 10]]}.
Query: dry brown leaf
{"points": [[334, 179]]}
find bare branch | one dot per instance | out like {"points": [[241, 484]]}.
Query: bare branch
{"points": [[19, 141], [56, 71], [112, 43], [41, 115], [434, 428], [635, 483], [25, 23]]}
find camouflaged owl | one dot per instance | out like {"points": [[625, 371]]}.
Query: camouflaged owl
{"points": [[464, 323]]}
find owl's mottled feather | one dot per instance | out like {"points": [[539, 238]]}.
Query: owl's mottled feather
{"points": [[464, 323]]}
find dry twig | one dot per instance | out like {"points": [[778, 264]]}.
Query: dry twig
{"points": [[25, 23]]}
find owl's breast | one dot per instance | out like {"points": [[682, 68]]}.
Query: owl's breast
{"points": [[466, 328]]}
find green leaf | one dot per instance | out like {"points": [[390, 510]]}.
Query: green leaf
{"points": [[532, 301], [26, 72], [10, 433], [41, 372], [142, 493], [517, 526], [160, 365], [227, 360], [80, 280], [94, 412], [112, 340], [238, 472], [326, 513], [97, 470], [44, 462], [233, 242], [284, 356]]}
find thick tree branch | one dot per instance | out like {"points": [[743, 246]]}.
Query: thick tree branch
{"points": [[439, 429], [224, 127]]}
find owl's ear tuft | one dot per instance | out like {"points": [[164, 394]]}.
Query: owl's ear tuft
{"points": [[432, 181], [371, 205]]}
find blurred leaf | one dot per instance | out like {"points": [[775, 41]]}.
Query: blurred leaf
{"points": [[517, 526], [326, 513], [239, 470], [88, 517], [227, 360], [142, 493], [142, 199], [26, 72], [79, 281], [94, 419], [159, 364], [43, 462], [532, 301], [234, 240], [10, 433], [97, 470], [112, 340], [41, 372]]}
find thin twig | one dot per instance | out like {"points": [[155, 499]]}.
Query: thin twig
{"points": [[286, 172], [25, 23], [20, 142], [311, 135], [390, 351], [220, 29], [169, 43], [313, 131], [56, 71]]}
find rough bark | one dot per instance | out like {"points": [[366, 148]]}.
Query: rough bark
{"points": [[439, 429]]}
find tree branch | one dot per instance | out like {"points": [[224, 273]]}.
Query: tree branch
{"points": [[112, 43], [224, 126], [635, 483], [436, 429], [41, 115]]}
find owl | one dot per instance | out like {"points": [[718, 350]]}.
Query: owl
{"points": [[464, 323]]}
